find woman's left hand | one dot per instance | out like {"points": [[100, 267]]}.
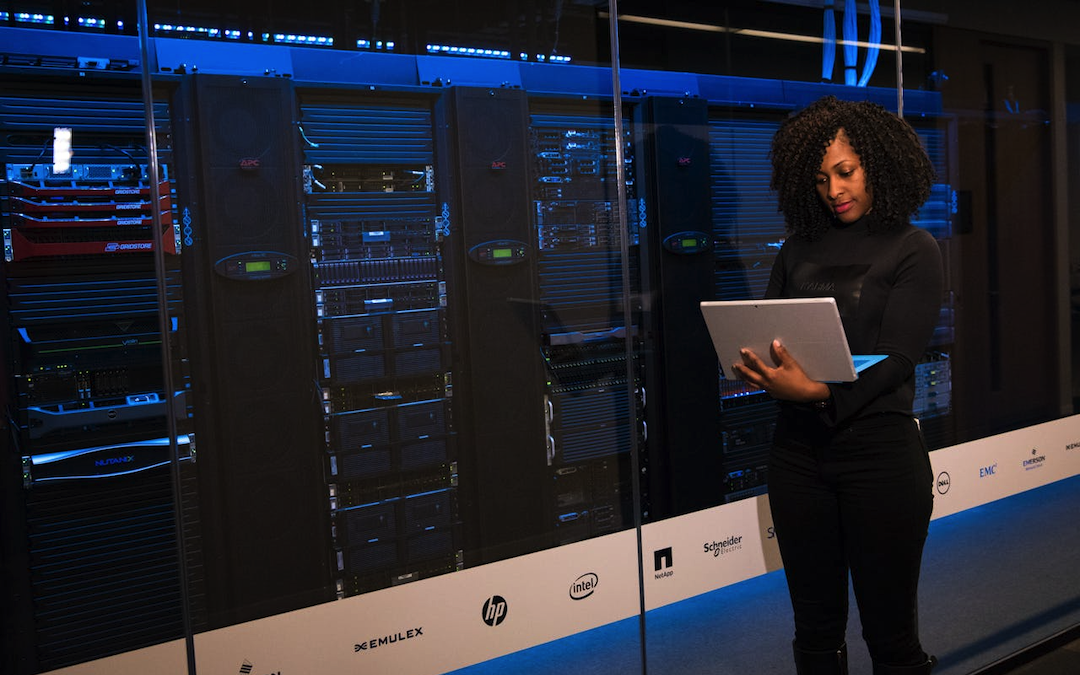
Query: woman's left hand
{"points": [[786, 382]]}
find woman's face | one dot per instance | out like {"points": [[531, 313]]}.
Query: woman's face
{"points": [[841, 181]]}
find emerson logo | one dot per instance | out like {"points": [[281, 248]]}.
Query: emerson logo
{"points": [[584, 586], [494, 611], [1035, 461], [943, 482]]}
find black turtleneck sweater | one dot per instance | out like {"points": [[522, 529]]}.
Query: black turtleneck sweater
{"points": [[888, 288]]}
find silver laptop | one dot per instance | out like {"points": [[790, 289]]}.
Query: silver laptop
{"points": [[810, 329]]}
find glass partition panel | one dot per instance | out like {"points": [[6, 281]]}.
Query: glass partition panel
{"points": [[736, 72], [412, 320], [367, 337], [92, 564]]}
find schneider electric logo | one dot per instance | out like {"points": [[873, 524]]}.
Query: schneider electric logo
{"points": [[725, 546]]}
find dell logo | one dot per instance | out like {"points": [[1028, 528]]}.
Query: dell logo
{"points": [[943, 482], [494, 611]]}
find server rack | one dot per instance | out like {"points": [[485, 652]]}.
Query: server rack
{"points": [[377, 239], [591, 324], [91, 555]]}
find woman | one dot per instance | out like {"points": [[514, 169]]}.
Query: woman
{"points": [[850, 483]]}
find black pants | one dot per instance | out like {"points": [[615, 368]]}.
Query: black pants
{"points": [[855, 499]]}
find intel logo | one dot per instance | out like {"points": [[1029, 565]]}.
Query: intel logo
{"points": [[584, 586]]}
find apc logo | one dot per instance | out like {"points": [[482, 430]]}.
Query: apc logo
{"points": [[494, 611], [584, 586], [986, 471], [943, 482]]}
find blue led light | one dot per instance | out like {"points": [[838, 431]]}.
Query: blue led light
{"points": [[26, 17], [293, 39], [88, 22], [191, 30], [468, 51]]}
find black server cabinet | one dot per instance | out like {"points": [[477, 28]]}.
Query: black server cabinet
{"points": [[747, 231], [496, 320], [252, 319], [389, 405], [90, 555], [590, 321], [685, 454]]}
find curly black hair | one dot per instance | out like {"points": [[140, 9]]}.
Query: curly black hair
{"points": [[898, 172]]}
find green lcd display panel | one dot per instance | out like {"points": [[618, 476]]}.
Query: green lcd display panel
{"points": [[500, 253], [257, 266]]}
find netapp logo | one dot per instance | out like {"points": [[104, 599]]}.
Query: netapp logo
{"points": [[494, 611], [113, 247], [943, 482], [986, 471], [385, 640], [584, 586], [719, 548], [109, 461], [1036, 460], [662, 562]]}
